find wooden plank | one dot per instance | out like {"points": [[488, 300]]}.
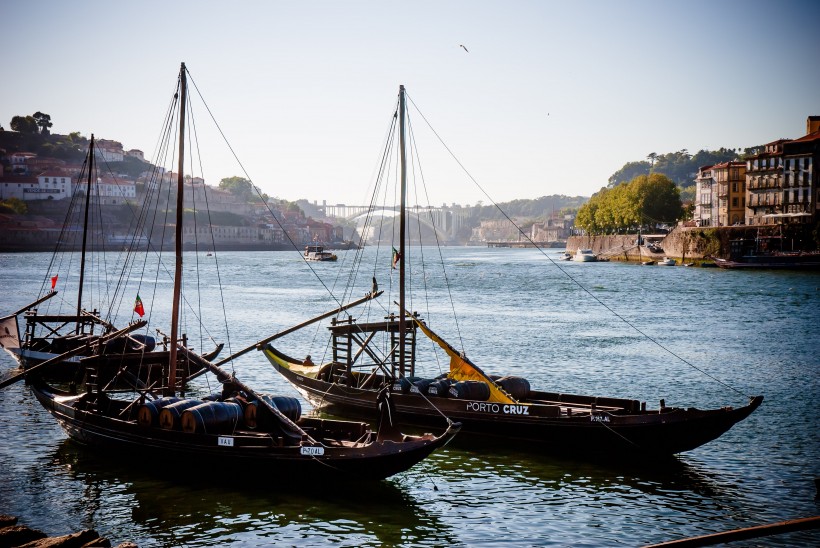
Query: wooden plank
{"points": [[802, 524]]}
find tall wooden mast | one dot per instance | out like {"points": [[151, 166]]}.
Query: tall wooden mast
{"points": [[172, 365], [402, 222], [85, 235]]}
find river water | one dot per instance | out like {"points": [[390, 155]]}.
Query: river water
{"points": [[693, 336]]}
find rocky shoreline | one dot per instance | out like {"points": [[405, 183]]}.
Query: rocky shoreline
{"points": [[12, 534]]}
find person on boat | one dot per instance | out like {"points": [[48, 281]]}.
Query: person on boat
{"points": [[307, 361]]}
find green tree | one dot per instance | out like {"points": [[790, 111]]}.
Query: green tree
{"points": [[24, 124], [43, 122], [241, 188], [646, 199], [15, 204], [629, 172]]}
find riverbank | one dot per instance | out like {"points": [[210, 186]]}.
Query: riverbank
{"points": [[685, 244]]}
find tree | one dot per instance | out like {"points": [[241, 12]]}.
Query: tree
{"points": [[24, 124], [241, 188], [15, 204], [646, 199], [43, 122], [629, 172]]}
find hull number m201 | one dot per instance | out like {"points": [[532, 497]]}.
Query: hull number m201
{"points": [[507, 409], [312, 451]]}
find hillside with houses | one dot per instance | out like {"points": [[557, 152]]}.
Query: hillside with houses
{"points": [[40, 175]]}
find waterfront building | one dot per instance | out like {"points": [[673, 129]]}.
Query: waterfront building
{"points": [[705, 197], [51, 185], [764, 178], [801, 184], [730, 178], [15, 186]]}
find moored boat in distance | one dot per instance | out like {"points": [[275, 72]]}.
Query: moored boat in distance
{"points": [[766, 252], [316, 252], [667, 261], [584, 256]]}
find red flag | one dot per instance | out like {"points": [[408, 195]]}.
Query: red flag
{"points": [[138, 307], [54, 281]]}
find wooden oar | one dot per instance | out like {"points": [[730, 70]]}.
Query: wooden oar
{"points": [[35, 303], [258, 345], [225, 377], [79, 350]]}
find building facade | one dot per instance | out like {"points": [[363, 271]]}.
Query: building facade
{"points": [[705, 198], [730, 178], [764, 178]]}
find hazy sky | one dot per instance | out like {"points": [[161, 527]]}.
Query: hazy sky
{"points": [[553, 97]]}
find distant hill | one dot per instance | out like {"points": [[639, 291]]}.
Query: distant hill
{"points": [[680, 166]]}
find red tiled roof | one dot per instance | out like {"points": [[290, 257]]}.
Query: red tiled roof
{"points": [[807, 138]]}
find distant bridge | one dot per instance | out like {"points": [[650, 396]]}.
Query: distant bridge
{"points": [[447, 221]]}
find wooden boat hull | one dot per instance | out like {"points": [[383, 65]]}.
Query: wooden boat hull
{"points": [[560, 423], [809, 261], [258, 456]]}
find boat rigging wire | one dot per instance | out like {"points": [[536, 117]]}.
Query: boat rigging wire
{"points": [[563, 271]]}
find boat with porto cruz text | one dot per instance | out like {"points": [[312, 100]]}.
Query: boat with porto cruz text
{"points": [[368, 354]]}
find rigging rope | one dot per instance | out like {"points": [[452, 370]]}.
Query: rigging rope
{"points": [[562, 270]]}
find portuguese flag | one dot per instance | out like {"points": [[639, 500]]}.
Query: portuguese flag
{"points": [[138, 308]]}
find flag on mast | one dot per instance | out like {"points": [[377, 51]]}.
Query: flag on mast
{"points": [[54, 281], [138, 308], [396, 257]]}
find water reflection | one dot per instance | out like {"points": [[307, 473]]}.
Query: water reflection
{"points": [[201, 511]]}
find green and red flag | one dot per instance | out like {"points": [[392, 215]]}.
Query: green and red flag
{"points": [[54, 281], [138, 308], [396, 257]]}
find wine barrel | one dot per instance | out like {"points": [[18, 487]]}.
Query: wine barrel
{"points": [[211, 417], [517, 387], [148, 413], [420, 386], [169, 416], [439, 388], [258, 416], [470, 390], [403, 384]]}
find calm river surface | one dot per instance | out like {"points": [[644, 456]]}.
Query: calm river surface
{"points": [[517, 314]]}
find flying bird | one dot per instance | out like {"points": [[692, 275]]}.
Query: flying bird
{"points": [[465, 49]]}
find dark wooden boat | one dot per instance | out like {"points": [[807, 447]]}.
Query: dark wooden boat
{"points": [[506, 408], [253, 436], [57, 343], [767, 252]]}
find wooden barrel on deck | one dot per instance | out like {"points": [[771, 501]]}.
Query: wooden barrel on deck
{"points": [[148, 413], [439, 388], [517, 387], [470, 390], [170, 415], [211, 417], [258, 416], [420, 386]]}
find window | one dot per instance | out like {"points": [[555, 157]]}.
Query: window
{"points": [[734, 202]]}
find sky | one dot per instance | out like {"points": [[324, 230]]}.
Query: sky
{"points": [[549, 97]]}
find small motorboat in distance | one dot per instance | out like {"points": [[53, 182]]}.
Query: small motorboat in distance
{"points": [[666, 261], [584, 256], [316, 252]]}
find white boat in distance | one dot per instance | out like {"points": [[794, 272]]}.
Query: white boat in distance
{"points": [[584, 256], [667, 262]]}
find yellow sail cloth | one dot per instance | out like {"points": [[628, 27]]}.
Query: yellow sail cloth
{"points": [[462, 369]]}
